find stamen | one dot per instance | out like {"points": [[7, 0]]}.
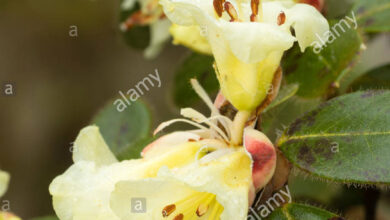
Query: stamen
{"points": [[168, 210], [218, 6], [193, 206], [231, 11], [199, 118], [179, 217], [202, 209], [167, 123], [281, 18]]}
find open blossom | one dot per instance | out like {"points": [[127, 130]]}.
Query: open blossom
{"points": [[181, 175], [247, 39], [151, 14]]}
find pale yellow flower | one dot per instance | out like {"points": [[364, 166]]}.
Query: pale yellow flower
{"points": [[247, 39], [182, 174]]}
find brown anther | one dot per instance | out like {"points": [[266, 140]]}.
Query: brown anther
{"points": [[202, 209], [162, 16], [179, 217], [255, 6], [281, 18], [168, 210], [253, 18], [231, 11], [191, 140], [218, 6]]}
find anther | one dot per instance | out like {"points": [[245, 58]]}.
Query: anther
{"points": [[202, 209], [218, 6], [253, 18], [255, 6], [231, 11], [179, 217], [281, 18], [255, 10], [168, 210]]}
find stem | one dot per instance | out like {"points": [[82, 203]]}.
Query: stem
{"points": [[238, 126]]}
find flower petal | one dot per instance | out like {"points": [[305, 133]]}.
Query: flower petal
{"points": [[227, 175], [90, 146], [4, 180], [252, 42], [167, 142], [308, 24], [191, 37], [159, 32], [128, 4], [157, 193]]}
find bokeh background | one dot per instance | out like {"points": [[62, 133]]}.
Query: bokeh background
{"points": [[61, 81]]}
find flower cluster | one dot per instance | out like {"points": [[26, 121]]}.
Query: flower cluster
{"points": [[212, 172]]}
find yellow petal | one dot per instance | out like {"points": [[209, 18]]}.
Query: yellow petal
{"points": [[4, 180], [90, 146], [192, 37]]}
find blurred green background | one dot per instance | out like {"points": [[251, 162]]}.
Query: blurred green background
{"points": [[60, 82]]}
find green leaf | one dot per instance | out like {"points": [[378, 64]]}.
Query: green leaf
{"points": [[293, 211], [373, 15], [197, 66], [137, 37], [304, 188], [378, 78], [45, 218], [285, 93], [345, 139], [127, 132], [314, 72], [336, 9], [275, 121]]}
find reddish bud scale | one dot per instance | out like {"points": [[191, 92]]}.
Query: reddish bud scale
{"points": [[263, 155]]}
